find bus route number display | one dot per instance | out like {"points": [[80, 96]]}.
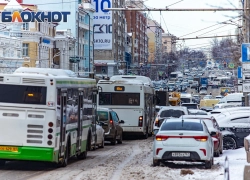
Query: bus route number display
{"points": [[119, 88]]}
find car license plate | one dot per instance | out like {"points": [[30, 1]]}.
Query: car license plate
{"points": [[180, 154], [8, 148]]}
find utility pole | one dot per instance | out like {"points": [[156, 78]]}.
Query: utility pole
{"points": [[246, 31]]}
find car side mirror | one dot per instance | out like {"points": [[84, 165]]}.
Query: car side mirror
{"points": [[213, 133], [121, 121]]}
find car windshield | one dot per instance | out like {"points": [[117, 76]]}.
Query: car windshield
{"points": [[190, 106], [172, 113], [102, 115], [185, 100], [183, 126]]}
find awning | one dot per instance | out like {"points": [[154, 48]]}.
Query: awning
{"points": [[100, 64]]}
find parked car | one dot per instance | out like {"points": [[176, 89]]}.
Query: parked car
{"points": [[197, 112], [100, 136], [168, 112], [235, 126], [110, 122], [196, 98], [183, 140], [212, 126], [190, 105]]}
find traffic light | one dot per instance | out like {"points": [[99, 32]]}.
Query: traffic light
{"points": [[225, 65]]}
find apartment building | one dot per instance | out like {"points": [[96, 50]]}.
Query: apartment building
{"points": [[80, 23], [137, 25], [168, 43], [154, 33]]}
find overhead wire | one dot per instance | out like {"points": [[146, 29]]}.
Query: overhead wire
{"points": [[207, 27]]}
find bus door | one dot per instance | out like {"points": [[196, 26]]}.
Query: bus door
{"points": [[63, 116], [79, 123], [94, 114]]}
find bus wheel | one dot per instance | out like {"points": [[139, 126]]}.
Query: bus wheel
{"points": [[2, 162], [82, 155], [66, 157]]}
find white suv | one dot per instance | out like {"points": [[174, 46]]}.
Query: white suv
{"points": [[183, 140], [168, 112]]}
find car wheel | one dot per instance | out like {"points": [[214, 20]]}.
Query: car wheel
{"points": [[229, 143], [2, 162], [113, 141], [156, 162], [103, 142], [120, 140], [217, 154], [209, 164]]}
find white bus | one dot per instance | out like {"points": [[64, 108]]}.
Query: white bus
{"points": [[39, 115], [132, 98]]}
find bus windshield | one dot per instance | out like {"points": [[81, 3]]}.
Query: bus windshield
{"points": [[22, 94], [126, 99]]}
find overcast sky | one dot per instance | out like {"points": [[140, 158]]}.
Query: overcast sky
{"points": [[182, 23]]}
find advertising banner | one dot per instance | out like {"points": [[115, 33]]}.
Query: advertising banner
{"points": [[102, 21]]}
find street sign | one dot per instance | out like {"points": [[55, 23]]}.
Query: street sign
{"points": [[246, 87], [245, 52], [239, 72], [231, 65]]}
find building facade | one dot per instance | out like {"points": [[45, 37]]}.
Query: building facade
{"points": [[110, 38], [137, 25], [80, 23], [37, 38], [154, 33], [168, 43], [64, 49]]}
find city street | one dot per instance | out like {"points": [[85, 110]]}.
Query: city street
{"points": [[130, 160]]}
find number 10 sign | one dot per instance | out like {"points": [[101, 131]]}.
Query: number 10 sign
{"points": [[102, 25]]}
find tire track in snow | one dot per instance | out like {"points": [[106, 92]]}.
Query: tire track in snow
{"points": [[118, 172]]}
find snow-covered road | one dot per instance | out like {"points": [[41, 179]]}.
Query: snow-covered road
{"points": [[129, 161]]}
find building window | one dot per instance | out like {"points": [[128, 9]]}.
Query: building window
{"points": [[25, 49], [25, 26]]}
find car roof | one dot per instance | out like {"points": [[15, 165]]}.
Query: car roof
{"points": [[231, 115], [224, 110], [173, 107], [196, 116], [104, 109], [180, 119]]}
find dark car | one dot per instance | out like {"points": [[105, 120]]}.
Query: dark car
{"points": [[235, 126], [110, 122]]}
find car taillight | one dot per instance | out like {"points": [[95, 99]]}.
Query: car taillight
{"points": [[201, 138], [216, 136], [140, 123], [161, 137], [111, 122]]}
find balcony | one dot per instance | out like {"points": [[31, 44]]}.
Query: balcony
{"points": [[83, 25], [136, 54], [88, 6], [135, 45]]}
